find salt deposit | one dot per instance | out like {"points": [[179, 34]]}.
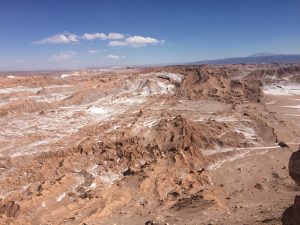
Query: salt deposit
{"points": [[282, 89], [61, 197]]}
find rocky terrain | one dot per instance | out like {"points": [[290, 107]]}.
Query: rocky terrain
{"points": [[163, 145]]}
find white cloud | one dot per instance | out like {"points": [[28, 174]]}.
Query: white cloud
{"points": [[114, 36], [63, 55], [59, 39], [92, 51], [102, 36], [115, 57], [142, 41], [91, 37], [115, 39], [136, 41], [19, 61]]}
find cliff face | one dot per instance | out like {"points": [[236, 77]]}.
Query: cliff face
{"points": [[291, 215]]}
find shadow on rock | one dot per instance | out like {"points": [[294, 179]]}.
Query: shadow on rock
{"points": [[291, 216]]}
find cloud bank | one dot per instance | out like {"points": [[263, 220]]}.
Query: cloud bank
{"points": [[59, 39], [136, 41], [115, 39], [102, 36]]}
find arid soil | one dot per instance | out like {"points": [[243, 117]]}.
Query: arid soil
{"points": [[163, 145]]}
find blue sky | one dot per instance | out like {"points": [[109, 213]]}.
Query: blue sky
{"points": [[56, 34]]}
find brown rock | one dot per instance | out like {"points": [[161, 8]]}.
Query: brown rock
{"points": [[10, 209]]}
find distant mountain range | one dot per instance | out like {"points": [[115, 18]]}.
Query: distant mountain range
{"points": [[253, 59]]}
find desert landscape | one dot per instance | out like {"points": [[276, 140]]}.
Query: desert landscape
{"points": [[184, 145]]}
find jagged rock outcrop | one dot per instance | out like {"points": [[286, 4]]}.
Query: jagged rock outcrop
{"points": [[291, 215], [10, 208]]}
